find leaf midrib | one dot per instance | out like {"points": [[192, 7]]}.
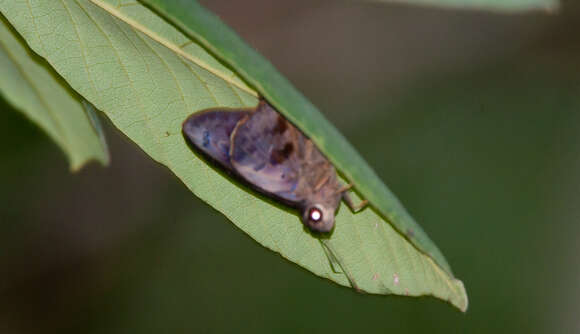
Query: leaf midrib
{"points": [[175, 48]]}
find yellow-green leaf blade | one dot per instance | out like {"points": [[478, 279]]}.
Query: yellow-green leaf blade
{"points": [[226, 44], [147, 88], [31, 85]]}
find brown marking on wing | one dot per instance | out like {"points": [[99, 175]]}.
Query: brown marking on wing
{"points": [[281, 125], [279, 156], [264, 153]]}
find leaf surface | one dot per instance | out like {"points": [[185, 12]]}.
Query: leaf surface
{"points": [[32, 86], [206, 28], [148, 77]]}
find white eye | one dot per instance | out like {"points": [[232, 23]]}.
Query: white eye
{"points": [[315, 215]]}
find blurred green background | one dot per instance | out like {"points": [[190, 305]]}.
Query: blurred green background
{"points": [[471, 118]]}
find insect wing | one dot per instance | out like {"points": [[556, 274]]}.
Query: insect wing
{"points": [[209, 131], [265, 151]]}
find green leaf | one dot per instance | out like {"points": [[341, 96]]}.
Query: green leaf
{"points": [[148, 77], [32, 86], [223, 42], [491, 5]]}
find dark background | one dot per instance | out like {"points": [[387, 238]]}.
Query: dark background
{"points": [[471, 118]]}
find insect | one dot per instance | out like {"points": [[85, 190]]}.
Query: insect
{"points": [[270, 154], [267, 152]]}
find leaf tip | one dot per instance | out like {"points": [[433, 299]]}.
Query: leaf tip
{"points": [[462, 303]]}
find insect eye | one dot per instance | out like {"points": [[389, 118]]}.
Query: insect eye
{"points": [[315, 215]]}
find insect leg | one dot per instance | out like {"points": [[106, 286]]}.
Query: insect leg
{"points": [[345, 188], [335, 258], [354, 207]]}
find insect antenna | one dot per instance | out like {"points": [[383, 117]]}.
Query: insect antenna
{"points": [[331, 258], [334, 258]]}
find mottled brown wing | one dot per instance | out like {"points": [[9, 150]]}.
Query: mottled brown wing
{"points": [[265, 150], [209, 131]]}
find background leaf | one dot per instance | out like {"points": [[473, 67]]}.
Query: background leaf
{"points": [[495, 5], [147, 78], [32, 86]]}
